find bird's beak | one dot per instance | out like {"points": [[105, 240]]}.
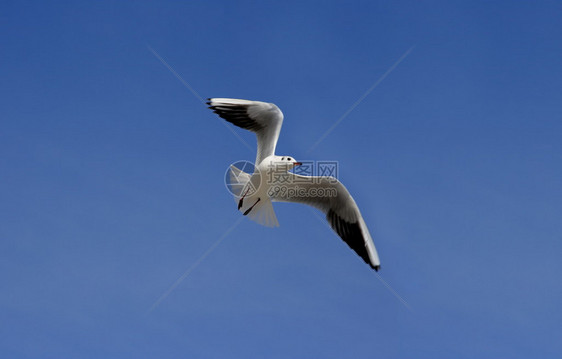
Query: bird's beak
{"points": [[298, 164]]}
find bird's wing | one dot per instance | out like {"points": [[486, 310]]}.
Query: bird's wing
{"points": [[333, 199], [265, 119]]}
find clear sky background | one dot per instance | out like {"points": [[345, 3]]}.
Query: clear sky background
{"points": [[111, 176]]}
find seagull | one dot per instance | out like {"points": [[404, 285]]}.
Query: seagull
{"points": [[271, 180]]}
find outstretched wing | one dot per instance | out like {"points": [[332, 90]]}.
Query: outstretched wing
{"points": [[333, 199], [262, 118]]}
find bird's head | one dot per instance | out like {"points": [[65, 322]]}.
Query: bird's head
{"points": [[280, 163]]}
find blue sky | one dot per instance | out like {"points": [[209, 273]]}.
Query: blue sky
{"points": [[112, 179]]}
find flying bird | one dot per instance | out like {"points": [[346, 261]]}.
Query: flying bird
{"points": [[271, 180]]}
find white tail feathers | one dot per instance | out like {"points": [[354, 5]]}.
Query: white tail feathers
{"points": [[263, 213]]}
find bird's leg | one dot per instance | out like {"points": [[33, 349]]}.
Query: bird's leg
{"points": [[249, 209], [241, 202]]}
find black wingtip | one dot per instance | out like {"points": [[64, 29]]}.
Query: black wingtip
{"points": [[376, 268]]}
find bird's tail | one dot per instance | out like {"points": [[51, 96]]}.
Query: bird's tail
{"points": [[260, 210]]}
